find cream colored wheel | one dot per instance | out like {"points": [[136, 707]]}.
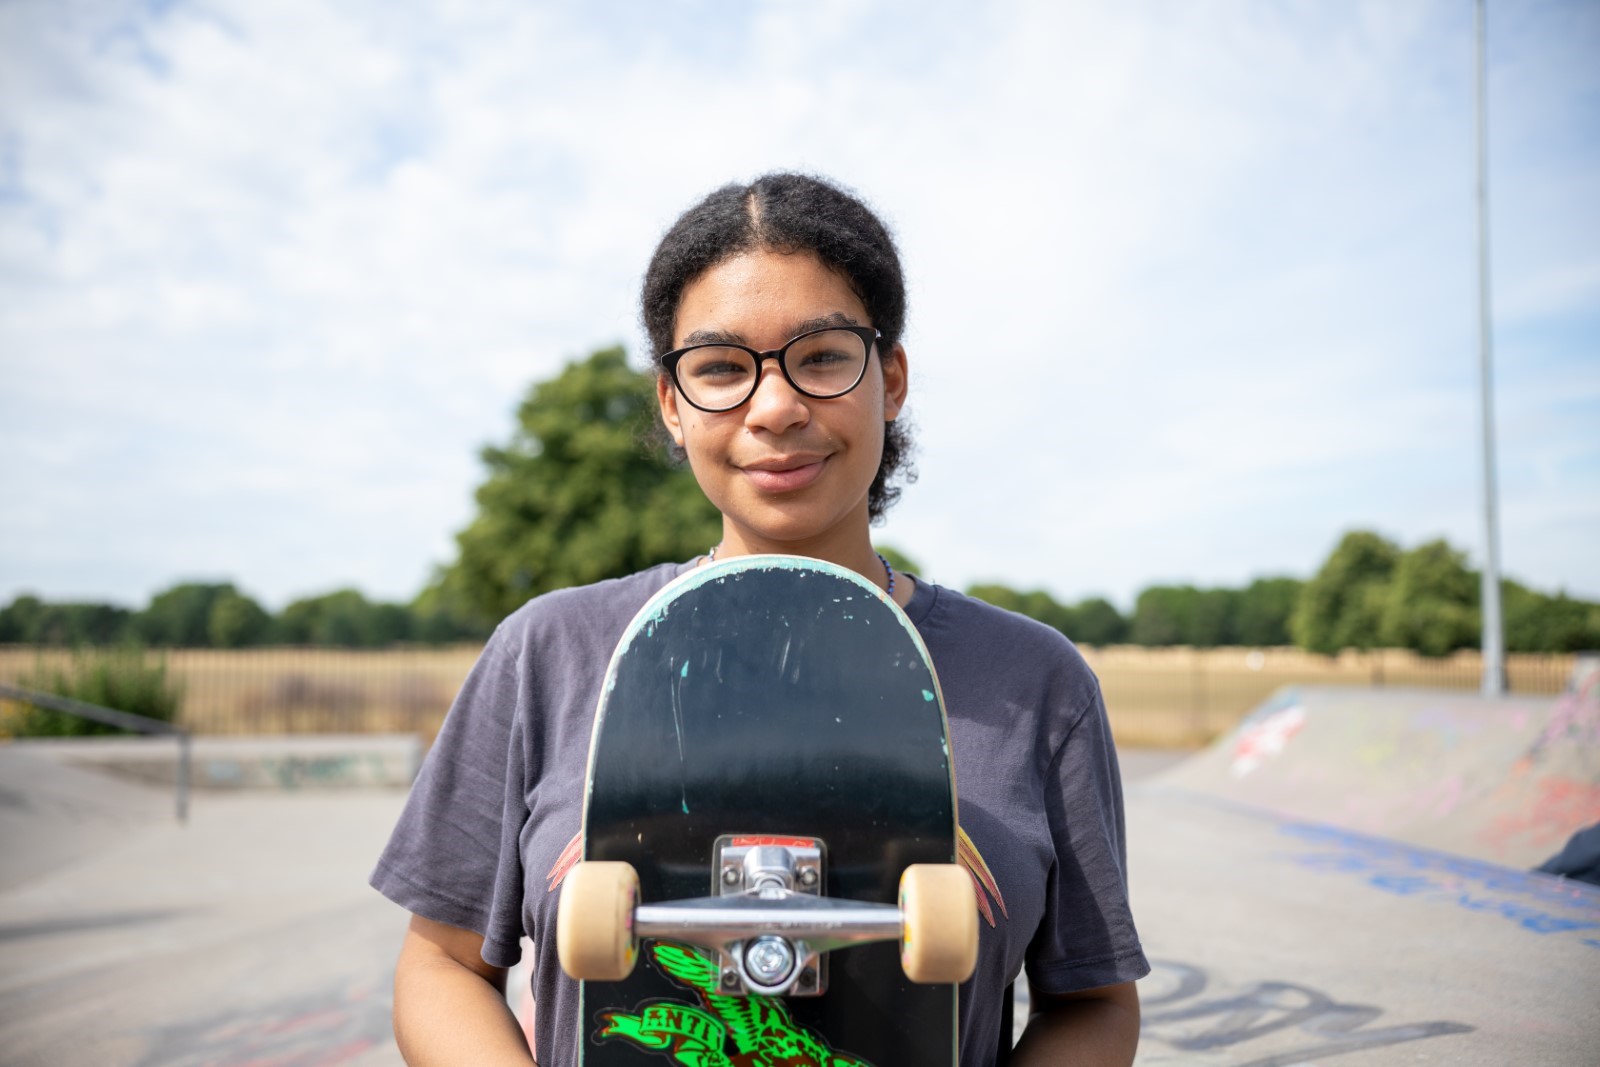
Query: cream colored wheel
{"points": [[939, 942], [594, 921]]}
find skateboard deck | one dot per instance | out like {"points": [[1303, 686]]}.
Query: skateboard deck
{"points": [[769, 700]]}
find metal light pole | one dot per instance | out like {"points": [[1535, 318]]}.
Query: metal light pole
{"points": [[1494, 656]]}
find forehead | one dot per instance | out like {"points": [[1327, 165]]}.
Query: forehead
{"points": [[763, 298]]}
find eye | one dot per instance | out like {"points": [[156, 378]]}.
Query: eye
{"points": [[713, 371], [714, 365], [824, 358]]}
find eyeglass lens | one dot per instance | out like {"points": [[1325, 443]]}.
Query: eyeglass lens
{"points": [[821, 365]]}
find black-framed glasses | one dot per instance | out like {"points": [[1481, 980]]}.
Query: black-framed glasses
{"points": [[822, 364]]}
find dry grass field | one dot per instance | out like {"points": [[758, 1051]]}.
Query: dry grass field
{"points": [[1175, 697], [296, 690], [1182, 697]]}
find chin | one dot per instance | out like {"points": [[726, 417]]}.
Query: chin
{"points": [[792, 523]]}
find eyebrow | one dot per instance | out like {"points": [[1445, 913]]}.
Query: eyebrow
{"points": [[724, 337]]}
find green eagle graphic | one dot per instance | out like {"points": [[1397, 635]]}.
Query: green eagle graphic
{"points": [[758, 1029]]}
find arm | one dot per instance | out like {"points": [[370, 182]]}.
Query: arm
{"points": [[1096, 1028], [449, 1005]]}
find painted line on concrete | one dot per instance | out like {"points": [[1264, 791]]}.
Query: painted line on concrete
{"points": [[1539, 903]]}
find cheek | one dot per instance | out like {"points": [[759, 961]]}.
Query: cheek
{"points": [[702, 441]]}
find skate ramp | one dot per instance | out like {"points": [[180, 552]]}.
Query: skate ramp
{"points": [[1278, 942], [1505, 780], [1343, 880]]}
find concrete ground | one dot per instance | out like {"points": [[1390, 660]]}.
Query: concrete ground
{"points": [[249, 936]]}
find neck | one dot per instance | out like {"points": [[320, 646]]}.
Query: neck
{"points": [[855, 551]]}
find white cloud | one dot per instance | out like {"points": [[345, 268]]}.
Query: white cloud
{"points": [[1191, 285]]}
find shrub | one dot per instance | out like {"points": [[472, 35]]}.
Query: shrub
{"points": [[119, 678]]}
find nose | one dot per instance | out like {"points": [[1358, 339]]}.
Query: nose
{"points": [[775, 406]]}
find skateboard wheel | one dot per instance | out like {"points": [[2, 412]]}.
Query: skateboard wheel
{"points": [[594, 921], [939, 939]]}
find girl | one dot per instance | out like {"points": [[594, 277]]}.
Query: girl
{"points": [[775, 311]]}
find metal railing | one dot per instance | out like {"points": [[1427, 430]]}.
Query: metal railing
{"points": [[121, 720]]}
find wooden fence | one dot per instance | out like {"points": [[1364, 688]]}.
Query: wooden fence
{"points": [[1165, 697]]}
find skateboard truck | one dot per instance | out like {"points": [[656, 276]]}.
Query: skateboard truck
{"points": [[768, 923], [776, 871]]}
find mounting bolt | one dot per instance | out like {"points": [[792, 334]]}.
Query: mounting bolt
{"points": [[769, 960], [808, 978], [730, 876], [730, 979], [808, 876]]}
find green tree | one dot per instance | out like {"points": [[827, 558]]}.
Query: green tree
{"points": [[1184, 615], [1163, 615], [1431, 604], [1263, 611], [1096, 621], [236, 621], [1036, 604], [440, 614], [1158, 617], [29, 620], [1536, 622], [19, 620], [180, 617], [575, 496], [1343, 605], [1214, 622], [344, 619]]}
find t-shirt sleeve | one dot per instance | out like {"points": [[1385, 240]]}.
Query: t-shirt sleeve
{"points": [[453, 856], [1087, 937]]}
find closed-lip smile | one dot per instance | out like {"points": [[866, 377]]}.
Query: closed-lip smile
{"points": [[783, 474]]}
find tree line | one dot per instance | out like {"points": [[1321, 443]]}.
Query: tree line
{"points": [[219, 615], [1165, 615], [1369, 593], [585, 489]]}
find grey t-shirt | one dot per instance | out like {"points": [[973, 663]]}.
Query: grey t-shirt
{"points": [[491, 821]]}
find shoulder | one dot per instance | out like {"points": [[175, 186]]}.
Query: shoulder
{"points": [[1001, 650], [949, 614], [585, 613]]}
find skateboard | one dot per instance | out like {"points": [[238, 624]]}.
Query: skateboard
{"points": [[769, 871]]}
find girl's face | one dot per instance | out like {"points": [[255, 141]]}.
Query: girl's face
{"points": [[788, 473]]}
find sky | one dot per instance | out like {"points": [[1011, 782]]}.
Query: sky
{"points": [[1193, 286]]}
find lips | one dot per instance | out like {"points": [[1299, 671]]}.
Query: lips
{"points": [[784, 474]]}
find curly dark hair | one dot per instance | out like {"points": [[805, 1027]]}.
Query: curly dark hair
{"points": [[785, 212]]}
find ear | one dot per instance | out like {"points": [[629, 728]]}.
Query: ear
{"points": [[667, 401], [896, 381]]}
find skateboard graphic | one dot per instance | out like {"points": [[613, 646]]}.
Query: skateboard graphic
{"points": [[769, 872]]}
